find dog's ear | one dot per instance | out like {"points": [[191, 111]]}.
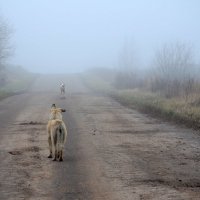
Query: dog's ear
{"points": [[53, 105], [63, 110]]}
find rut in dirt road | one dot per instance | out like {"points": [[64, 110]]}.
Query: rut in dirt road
{"points": [[112, 152]]}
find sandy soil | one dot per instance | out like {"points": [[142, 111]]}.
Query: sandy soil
{"points": [[112, 152]]}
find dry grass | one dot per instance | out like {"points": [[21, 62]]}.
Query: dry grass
{"points": [[175, 109]]}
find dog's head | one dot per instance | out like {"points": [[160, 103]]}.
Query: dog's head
{"points": [[53, 105], [56, 113]]}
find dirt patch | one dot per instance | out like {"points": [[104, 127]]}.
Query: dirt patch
{"points": [[15, 152], [31, 123], [174, 183], [24, 150]]}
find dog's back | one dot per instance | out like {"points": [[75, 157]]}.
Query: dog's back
{"points": [[55, 113], [58, 131]]}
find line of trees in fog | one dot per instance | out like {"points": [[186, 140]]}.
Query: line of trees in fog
{"points": [[127, 70], [173, 72]]}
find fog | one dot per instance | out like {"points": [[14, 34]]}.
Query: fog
{"points": [[70, 36]]}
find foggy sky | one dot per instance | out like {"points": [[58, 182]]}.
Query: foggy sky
{"points": [[69, 36]]}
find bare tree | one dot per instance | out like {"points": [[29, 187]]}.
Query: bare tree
{"points": [[173, 69], [5, 47]]}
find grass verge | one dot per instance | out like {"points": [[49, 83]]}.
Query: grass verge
{"points": [[176, 109]]}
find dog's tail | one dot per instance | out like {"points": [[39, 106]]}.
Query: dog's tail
{"points": [[61, 135]]}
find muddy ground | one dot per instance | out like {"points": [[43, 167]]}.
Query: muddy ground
{"points": [[112, 152]]}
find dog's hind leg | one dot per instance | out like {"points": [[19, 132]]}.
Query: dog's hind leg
{"points": [[55, 147], [50, 146], [61, 156]]}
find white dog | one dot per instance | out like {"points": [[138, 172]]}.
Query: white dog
{"points": [[62, 88]]}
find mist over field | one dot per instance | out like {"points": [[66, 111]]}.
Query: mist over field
{"points": [[71, 36]]}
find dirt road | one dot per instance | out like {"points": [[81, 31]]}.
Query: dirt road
{"points": [[112, 152]]}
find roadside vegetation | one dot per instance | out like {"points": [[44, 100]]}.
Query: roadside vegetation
{"points": [[13, 79], [170, 88]]}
